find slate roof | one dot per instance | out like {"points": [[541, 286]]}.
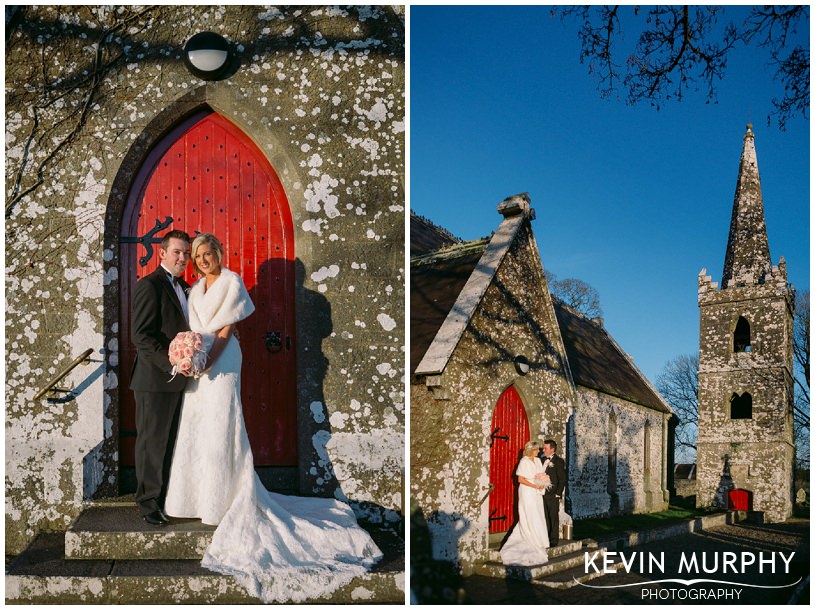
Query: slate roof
{"points": [[596, 361], [435, 283], [427, 237]]}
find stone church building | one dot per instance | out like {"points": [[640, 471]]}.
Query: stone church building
{"points": [[745, 445], [497, 361], [291, 151]]}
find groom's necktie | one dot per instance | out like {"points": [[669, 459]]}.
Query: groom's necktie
{"points": [[179, 292]]}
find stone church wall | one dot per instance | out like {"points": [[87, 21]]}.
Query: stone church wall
{"points": [[636, 491], [89, 91], [451, 423]]}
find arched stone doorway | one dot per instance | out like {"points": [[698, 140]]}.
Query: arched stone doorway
{"points": [[206, 175]]}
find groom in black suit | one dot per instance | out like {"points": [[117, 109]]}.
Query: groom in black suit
{"points": [[159, 313], [555, 467]]}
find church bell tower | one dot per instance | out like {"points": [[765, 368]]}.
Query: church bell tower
{"points": [[745, 442]]}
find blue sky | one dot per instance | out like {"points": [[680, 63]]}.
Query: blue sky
{"points": [[632, 200]]}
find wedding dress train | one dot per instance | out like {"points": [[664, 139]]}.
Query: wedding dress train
{"points": [[527, 544], [280, 548]]}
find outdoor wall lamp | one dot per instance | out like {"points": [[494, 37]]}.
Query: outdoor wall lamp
{"points": [[207, 55], [521, 365]]}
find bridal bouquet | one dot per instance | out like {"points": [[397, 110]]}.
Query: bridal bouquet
{"points": [[543, 482], [187, 354]]}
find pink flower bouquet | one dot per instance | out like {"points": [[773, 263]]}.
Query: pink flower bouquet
{"points": [[542, 481], [187, 354]]}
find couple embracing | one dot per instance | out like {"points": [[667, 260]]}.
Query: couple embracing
{"points": [[193, 458], [541, 481]]}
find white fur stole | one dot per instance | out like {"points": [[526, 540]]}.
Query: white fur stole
{"points": [[226, 302]]}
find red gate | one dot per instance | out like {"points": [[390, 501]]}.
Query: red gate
{"points": [[510, 432], [208, 176]]}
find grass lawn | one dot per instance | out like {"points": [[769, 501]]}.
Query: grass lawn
{"points": [[592, 528]]}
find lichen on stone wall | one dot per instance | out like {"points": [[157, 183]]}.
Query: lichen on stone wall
{"points": [[590, 457], [514, 317], [321, 92], [727, 446], [454, 410]]}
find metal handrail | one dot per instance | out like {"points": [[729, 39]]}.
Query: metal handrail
{"points": [[82, 358], [489, 489]]}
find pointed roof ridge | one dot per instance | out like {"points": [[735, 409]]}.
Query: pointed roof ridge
{"points": [[516, 211], [747, 259]]}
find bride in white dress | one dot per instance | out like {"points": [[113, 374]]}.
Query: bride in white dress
{"points": [[280, 548], [527, 544]]}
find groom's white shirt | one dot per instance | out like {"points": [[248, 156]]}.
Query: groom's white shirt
{"points": [[182, 298]]}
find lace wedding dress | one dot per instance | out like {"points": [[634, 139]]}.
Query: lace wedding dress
{"points": [[527, 544], [280, 548]]}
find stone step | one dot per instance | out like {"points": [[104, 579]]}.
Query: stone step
{"points": [[572, 577], [496, 569], [115, 530], [564, 548], [123, 500], [42, 574], [119, 532]]}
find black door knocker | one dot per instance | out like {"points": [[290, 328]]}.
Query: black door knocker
{"points": [[273, 342]]}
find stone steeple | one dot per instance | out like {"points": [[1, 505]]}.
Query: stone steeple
{"points": [[747, 260], [745, 446]]}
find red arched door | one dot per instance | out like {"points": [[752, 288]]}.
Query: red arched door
{"points": [[510, 432], [209, 177]]}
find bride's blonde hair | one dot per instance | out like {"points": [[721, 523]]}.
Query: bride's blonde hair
{"points": [[212, 241], [530, 446]]}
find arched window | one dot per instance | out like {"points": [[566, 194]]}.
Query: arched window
{"points": [[741, 336], [741, 407]]}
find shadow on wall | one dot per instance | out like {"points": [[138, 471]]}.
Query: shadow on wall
{"points": [[252, 37], [604, 478], [93, 471], [434, 580], [519, 317], [313, 429], [621, 489], [610, 486], [725, 486], [314, 325]]}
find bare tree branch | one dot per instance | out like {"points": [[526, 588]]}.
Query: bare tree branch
{"points": [[800, 333], [100, 69], [596, 42], [679, 385], [577, 294], [685, 46]]}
